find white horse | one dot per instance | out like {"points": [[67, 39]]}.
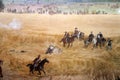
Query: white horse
{"points": [[80, 35], [94, 42], [53, 49], [86, 42]]}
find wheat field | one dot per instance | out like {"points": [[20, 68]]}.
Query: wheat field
{"points": [[74, 63]]}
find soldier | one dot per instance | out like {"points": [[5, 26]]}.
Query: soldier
{"points": [[100, 35], [36, 61], [76, 31], [91, 36], [109, 44]]}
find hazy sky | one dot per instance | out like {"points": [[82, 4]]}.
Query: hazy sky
{"points": [[34, 1]]}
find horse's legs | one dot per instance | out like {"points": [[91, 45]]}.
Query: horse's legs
{"points": [[68, 45], [100, 44], [64, 44], [44, 71], [39, 72], [32, 72], [97, 45], [94, 45], [71, 44], [1, 75]]}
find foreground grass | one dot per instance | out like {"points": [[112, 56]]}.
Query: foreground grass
{"points": [[75, 63]]}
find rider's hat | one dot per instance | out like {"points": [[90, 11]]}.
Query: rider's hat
{"points": [[76, 28], [39, 55]]}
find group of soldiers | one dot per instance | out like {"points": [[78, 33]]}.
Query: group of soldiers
{"points": [[97, 40], [76, 31], [67, 34]]}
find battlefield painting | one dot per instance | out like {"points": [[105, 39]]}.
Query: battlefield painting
{"points": [[59, 39]]}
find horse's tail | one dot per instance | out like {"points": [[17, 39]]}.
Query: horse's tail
{"points": [[28, 65]]}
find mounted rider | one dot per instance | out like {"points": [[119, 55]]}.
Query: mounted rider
{"points": [[100, 35], [109, 44], [91, 36], [66, 35], [76, 31], [36, 61]]}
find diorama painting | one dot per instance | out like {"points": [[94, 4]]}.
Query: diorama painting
{"points": [[59, 39]]}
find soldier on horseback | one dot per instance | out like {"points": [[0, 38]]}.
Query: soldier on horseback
{"points": [[91, 36], [76, 31], [100, 35], [66, 36], [36, 61], [99, 39], [109, 44]]}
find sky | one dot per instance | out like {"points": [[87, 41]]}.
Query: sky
{"points": [[56, 1]]}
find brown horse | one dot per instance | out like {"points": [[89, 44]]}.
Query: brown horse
{"points": [[1, 62], [69, 41]]}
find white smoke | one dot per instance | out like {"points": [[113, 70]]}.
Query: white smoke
{"points": [[14, 24]]}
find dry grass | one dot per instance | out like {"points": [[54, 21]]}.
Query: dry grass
{"points": [[76, 63]]}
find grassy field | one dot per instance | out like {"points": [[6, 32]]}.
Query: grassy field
{"points": [[75, 63]]}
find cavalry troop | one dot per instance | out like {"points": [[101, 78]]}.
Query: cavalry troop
{"points": [[96, 40]]}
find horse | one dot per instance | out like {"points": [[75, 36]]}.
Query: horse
{"points": [[53, 49], [50, 49], [68, 41], [79, 35], [1, 63], [38, 68], [109, 44], [64, 40], [91, 38], [86, 42], [101, 42], [71, 40], [94, 40], [117, 78]]}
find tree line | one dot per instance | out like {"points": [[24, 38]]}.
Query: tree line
{"points": [[1, 5]]}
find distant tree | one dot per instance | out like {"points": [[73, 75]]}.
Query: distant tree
{"points": [[1, 5]]}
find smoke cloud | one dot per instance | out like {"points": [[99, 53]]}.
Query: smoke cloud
{"points": [[14, 24]]}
